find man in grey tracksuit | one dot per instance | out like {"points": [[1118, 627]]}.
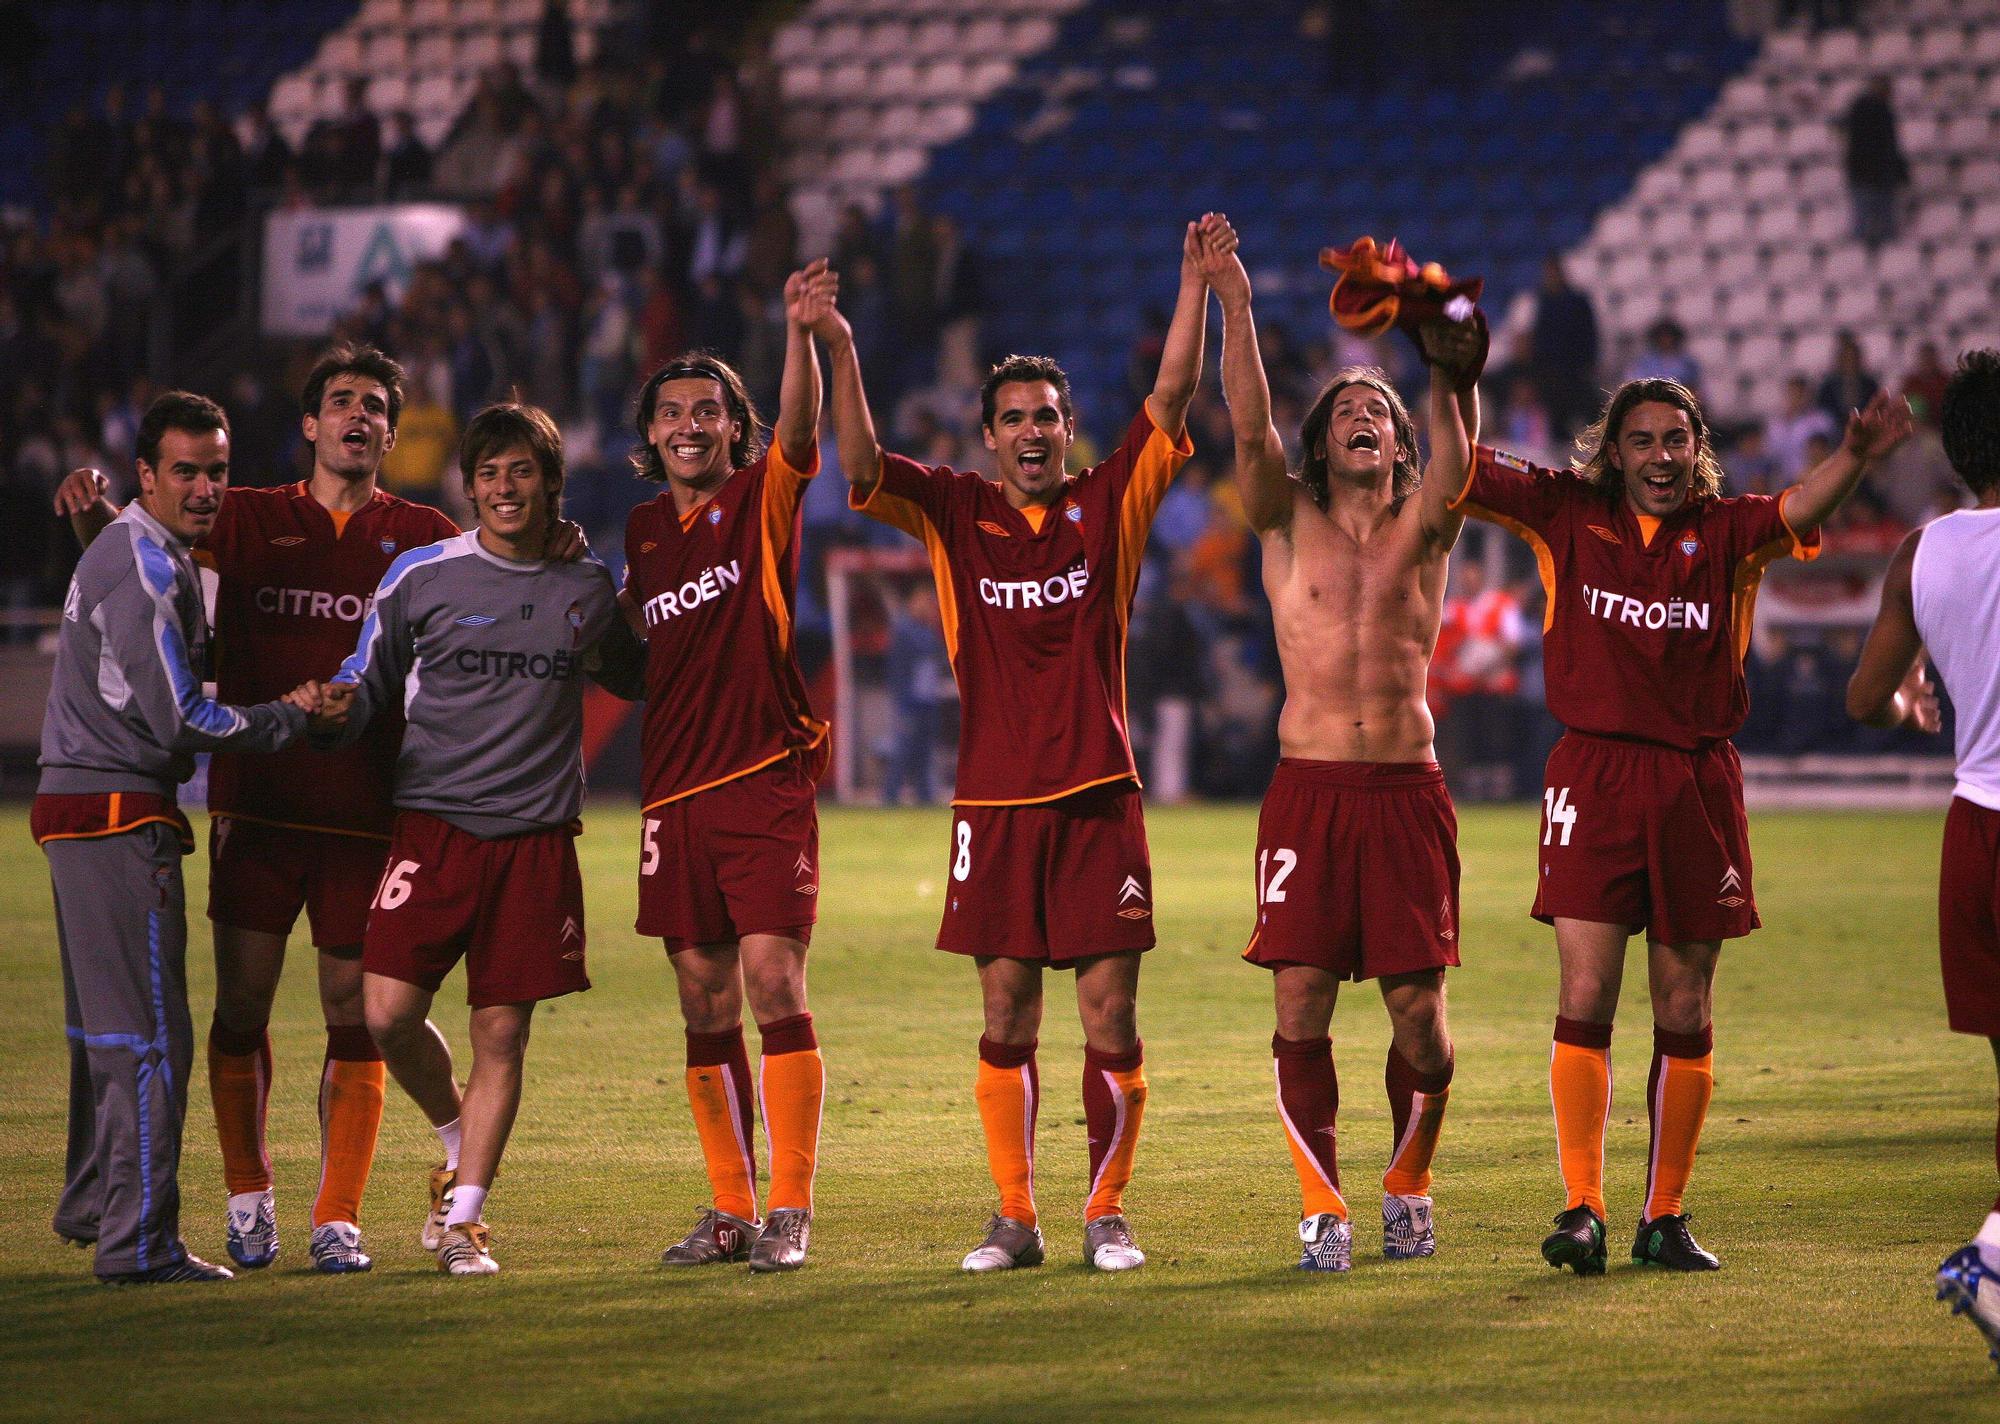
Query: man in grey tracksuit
{"points": [[483, 642], [126, 715]]}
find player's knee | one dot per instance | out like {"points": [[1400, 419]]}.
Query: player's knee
{"points": [[1682, 1008], [1114, 1015], [505, 1041], [776, 991]]}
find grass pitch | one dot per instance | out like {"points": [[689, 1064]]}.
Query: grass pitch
{"points": [[1846, 1152]]}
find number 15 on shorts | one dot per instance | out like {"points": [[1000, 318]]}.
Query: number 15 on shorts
{"points": [[1556, 811]]}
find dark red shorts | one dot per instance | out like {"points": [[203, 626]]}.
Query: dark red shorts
{"points": [[1056, 882], [260, 876], [1969, 918], [737, 859], [1357, 869], [512, 909], [1648, 837]]}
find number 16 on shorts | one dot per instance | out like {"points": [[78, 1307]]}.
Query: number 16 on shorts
{"points": [[1557, 813], [395, 887]]}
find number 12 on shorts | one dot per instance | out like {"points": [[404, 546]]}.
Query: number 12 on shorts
{"points": [[1556, 811], [1274, 867]]}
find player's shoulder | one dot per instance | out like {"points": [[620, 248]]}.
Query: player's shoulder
{"points": [[425, 520], [648, 515], [115, 555], [414, 565]]}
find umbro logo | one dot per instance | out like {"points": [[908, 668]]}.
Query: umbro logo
{"points": [[1129, 892], [1605, 534], [995, 530], [1732, 889], [1447, 932], [475, 620], [288, 541], [648, 547]]}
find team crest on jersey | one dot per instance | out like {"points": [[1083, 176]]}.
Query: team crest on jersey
{"points": [[1605, 534], [715, 516], [475, 620], [574, 615], [388, 546], [1690, 545], [1512, 462], [1073, 513], [995, 530], [288, 540]]}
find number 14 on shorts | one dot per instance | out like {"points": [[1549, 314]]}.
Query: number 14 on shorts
{"points": [[1556, 811]]}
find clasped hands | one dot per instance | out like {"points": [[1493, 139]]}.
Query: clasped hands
{"points": [[326, 704]]}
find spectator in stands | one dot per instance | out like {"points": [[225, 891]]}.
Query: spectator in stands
{"points": [[913, 294], [341, 152], [405, 168], [426, 444], [1924, 386], [1749, 465], [1788, 432], [1526, 428], [266, 155], [920, 689], [1563, 349], [1666, 355], [555, 46], [1849, 385], [1877, 171]]}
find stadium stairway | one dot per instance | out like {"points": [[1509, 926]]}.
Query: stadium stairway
{"points": [[1742, 231]]}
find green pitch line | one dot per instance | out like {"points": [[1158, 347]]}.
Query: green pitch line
{"points": [[1848, 1149]]}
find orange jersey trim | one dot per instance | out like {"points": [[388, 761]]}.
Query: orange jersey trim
{"points": [[1648, 527], [1802, 551], [909, 516], [298, 826], [820, 729], [107, 831], [1545, 559], [782, 487], [1053, 796]]}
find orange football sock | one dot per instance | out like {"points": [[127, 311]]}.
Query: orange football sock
{"points": [[1580, 1089], [1308, 1105], [791, 1085], [1677, 1094], [718, 1087], [1009, 1092], [1416, 1108], [239, 1081], [350, 1116], [1114, 1104]]}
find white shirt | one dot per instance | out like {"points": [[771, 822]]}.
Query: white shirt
{"points": [[1953, 587]]}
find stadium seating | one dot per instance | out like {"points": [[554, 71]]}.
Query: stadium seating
{"points": [[1767, 155], [1070, 141], [227, 51]]}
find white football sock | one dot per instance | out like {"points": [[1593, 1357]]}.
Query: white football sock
{"points": [[448, 1134], [466, 1204]]}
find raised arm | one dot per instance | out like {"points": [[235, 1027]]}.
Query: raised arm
{"points": [[1260, 454], [806, 291], [1889, 688], [81, 499], [853, 426], [1180, 357], [1871, 434], [1448, 347]]}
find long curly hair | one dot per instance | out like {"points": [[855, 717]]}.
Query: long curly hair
{"points": [[1970, 415], [1596, 443], [1408, 472]]}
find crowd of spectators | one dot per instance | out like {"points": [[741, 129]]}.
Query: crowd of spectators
{"points": [[630, 207]]}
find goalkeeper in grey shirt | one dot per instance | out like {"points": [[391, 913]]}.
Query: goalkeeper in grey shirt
{"points": [[483, 643]]}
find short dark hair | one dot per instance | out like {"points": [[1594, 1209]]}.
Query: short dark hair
{"points": [[352, 359], [1408, 471], [1970, 417], [176, 410], [508, 424], [697, 366], [1024, 368], [1600, 438]]}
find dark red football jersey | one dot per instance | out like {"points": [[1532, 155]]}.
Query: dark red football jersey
{"points": [[723, 693], [1643, 637], [1035, 614], [293, 589]]}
